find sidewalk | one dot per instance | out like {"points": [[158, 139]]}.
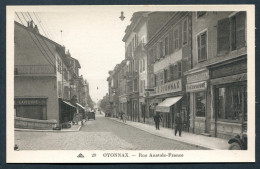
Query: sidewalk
{"points": [[212, 143], [73, 128]]}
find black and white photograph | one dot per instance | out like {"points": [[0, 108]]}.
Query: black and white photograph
{"points": [[151, 83]]}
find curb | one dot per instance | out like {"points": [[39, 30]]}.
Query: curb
{"points": [[34, 130], [186, 142]]}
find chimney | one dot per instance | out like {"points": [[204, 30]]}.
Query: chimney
{"points": [[36, 29]]}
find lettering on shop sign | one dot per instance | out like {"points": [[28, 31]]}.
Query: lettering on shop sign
{"points": [[30, 102], [174, 86], [196, 86]]}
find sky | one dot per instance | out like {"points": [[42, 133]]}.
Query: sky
{"points": [[92, 35]]}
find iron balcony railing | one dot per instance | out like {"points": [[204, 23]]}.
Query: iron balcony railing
{"points": [[34, 70]]}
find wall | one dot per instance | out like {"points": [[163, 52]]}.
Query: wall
{"points": [[39, 86]]}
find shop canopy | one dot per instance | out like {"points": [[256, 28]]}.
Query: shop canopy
{"points": [[167, 103], [68, 103], [80, 106]]}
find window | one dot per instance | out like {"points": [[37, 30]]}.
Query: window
{"points": [[185, 32], [155, 80], [176, 39], [166, 43], [202, 46], [171, 72], [238, 30], [231, 102], [179, 69], [200, 104], [200, 14], [140, 65], [161, 49], [231, 33], [143, 64], [135, 88], [165, 75], [161, 78]]}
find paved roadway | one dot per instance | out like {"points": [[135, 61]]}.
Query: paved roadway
{"points": [[100, 134]]}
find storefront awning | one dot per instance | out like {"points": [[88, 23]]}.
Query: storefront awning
{"points": [[80, 106], [68, 103], [166, 104]]}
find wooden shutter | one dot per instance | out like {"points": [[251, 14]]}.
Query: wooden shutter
{"points": [[240, 29], [198, 45], [223, 34], [203, 46], [180, 36]]}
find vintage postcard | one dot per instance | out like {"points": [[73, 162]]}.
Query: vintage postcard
{"points": [[130, 84]]}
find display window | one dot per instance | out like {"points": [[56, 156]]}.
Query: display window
{"points": [[231, 102], [200, 104]]}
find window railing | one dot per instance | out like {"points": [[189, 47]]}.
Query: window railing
{"points": [[34, 69]]}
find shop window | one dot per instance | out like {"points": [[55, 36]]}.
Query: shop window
{"points": [[231, 103], [202, 46], [200, 103]]}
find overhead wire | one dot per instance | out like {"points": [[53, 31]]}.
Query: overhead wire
{"points": [[34, 41], [42, 45]]}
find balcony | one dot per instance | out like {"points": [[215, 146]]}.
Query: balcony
{"points": [[32, 70]]}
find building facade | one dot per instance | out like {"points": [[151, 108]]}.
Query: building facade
{"points": [[217, 83], [169, 56], [44, 78]]}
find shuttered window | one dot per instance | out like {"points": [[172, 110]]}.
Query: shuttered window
{"points": [[202, 46], [179, 69], [176, 39], [165, 75], [171, 72], [185, 32], [223, 35], [240, 25], [166, 44], [161, 49]]}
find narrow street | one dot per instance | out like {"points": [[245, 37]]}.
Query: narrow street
{"points": [[100, 134]]}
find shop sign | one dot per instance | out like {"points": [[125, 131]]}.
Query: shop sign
{"points": [[196, 86], [198, 77], [30, 101], [174, 86]]}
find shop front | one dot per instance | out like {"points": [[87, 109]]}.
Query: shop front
{"points": [[196, 87], [173, 102], [31, 108], [229, 95], [67, 111]]}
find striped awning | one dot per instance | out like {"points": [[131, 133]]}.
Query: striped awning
{"points": [[167, 103]]}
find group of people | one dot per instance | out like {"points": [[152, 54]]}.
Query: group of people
{"points": [[177, 120]]}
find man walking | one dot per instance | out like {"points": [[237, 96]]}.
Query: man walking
{"points": [[178, 124], [157, 119]]}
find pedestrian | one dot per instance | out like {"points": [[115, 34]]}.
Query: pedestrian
{"points": [[178, 124], [157, 118], [124, 117]]}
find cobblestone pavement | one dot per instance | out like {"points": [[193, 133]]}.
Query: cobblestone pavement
{"points": [[99, 134]]}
